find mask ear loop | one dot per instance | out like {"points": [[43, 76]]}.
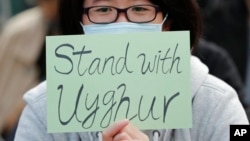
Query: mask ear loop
{"points": [[165, 18], [163, 21], [81, 24]]}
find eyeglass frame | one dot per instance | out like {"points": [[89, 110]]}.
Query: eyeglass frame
{"points": [[120, 10]]}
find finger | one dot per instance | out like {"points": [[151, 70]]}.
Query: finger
{"points": [[134, 133], [131, 130], [122, 137], [114, 129]]}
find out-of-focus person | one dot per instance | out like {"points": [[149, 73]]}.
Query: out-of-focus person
{"points": [[22, 59], [225, 23]]}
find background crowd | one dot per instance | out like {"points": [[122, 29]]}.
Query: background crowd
{"points": [[224, 48]]}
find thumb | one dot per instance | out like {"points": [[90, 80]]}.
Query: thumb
{"points": [[114, 129]]}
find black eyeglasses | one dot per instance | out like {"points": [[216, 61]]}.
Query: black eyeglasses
{"points": [[109, 14]]}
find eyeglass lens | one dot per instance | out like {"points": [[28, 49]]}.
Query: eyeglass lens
{"points": [[107, 14]]}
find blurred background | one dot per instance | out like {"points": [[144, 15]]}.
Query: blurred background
{"points": [[9, 8], [224, 48]]}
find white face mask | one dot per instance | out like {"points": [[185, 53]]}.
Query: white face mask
{"points": [[122, 27]]}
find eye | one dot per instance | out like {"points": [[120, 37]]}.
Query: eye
{"points": [[103, 9], [139, 9]]}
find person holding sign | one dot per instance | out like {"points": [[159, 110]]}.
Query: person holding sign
{"points": [[215, 105]]}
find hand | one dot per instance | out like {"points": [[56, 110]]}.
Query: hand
{"points": [[123, 130]]}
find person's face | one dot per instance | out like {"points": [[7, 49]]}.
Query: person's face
{"points": [[118, 4]]}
